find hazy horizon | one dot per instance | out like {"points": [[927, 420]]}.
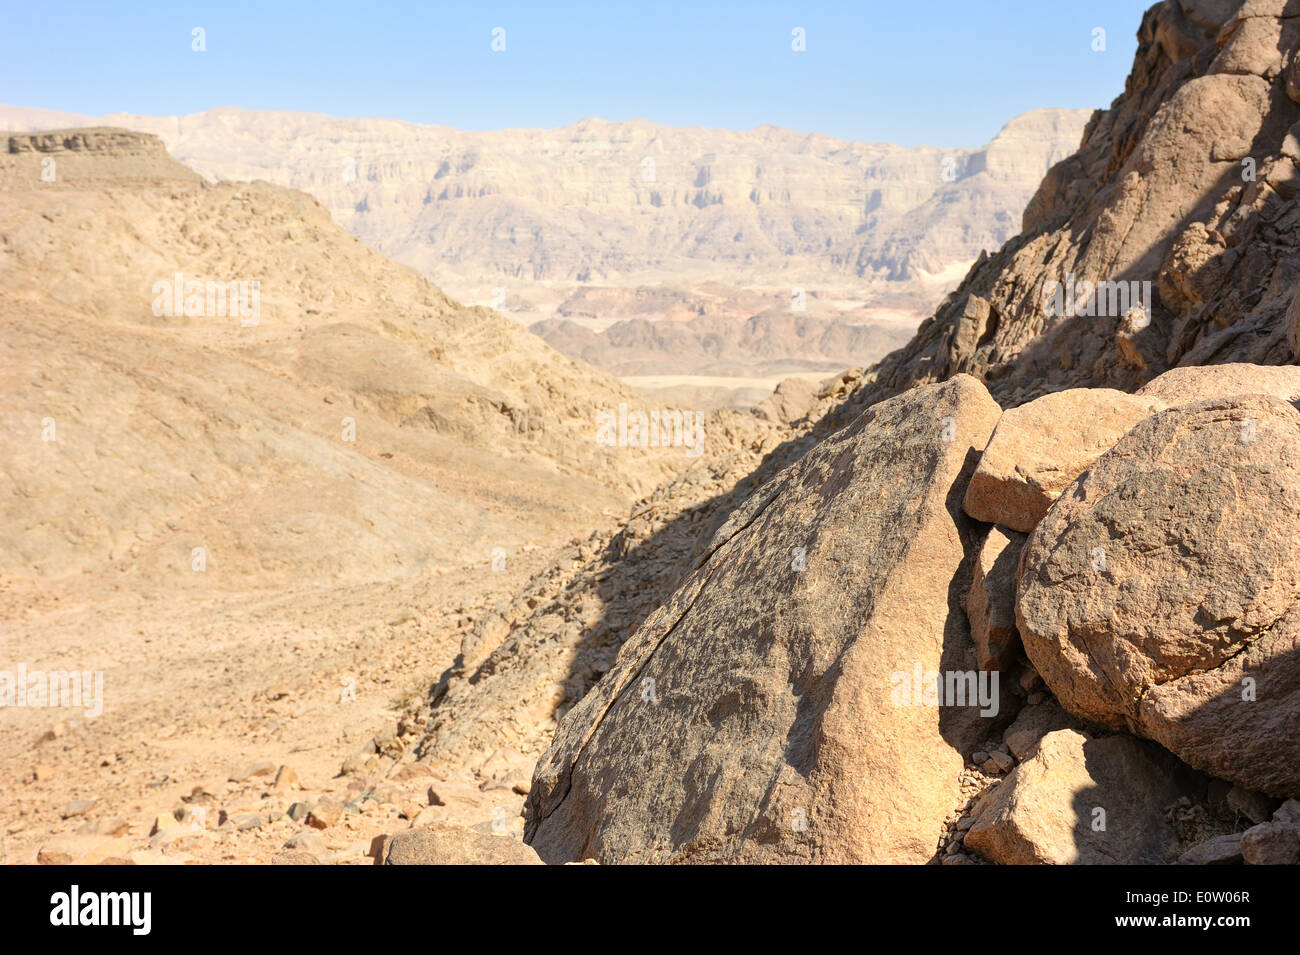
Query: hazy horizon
{"points": [[727, 68]]}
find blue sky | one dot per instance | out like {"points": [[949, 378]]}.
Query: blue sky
{"points": [[942, 72]]}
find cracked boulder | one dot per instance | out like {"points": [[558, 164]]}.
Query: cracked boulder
{"points": [[782, 705], [1161, 593]]}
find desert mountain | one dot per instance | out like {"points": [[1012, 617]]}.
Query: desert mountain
{"points": [[629, 203], [356, 398]]}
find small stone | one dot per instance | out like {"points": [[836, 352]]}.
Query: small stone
{"points": [[285, 778], [299, 811], [249, 772], [78, 808], [325, 813], [54, 732], [105, 826], [1004, 762], [1221, 850], [43, 773], [162, 822], [309, 840], [1271, 843], [53, 857], [979, 757]]}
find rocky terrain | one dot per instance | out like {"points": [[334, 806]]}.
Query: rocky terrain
{"points": [[851, 242], [1047, 559]]}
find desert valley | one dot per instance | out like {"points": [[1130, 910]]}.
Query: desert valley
{"points": [[632, 493]]}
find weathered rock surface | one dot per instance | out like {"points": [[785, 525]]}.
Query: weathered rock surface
{"points": [[1180, 386], [991, 603], [439, 844], [1159, 594], [1084, 801], [1034, 722], [760, 715], [1221, 850], [1040, 447]]}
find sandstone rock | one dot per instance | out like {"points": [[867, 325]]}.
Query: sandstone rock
{"points": [[251, 771], [294, 857], [763, 714], [1271, 843], [309, 840], [1032, 723], [105, 826], [991, 603], [1221, 850], [78, 808], [1160, 592], [53, 857], [1081, 800], [162, 822], [1180, 386], [286, 778], [325, 813], [1040, 447], [452, 845]]}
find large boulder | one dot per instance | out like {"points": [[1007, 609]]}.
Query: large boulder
{"points": [[782, 705], [1161, 593], [1085, 801], [1180, 386], [1040, 447]]}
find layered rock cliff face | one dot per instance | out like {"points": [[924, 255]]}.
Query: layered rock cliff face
{"points": [[629, 202]]}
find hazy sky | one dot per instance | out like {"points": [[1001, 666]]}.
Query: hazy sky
{"points": [[944, 72]]}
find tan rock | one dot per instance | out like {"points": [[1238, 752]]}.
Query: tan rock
{"points": [[1040, 447], [326, 812], [1180, 386], [1034, 722], [1083, 801], [780, 725], [286, 778], [1159, 594], [452, 845]]}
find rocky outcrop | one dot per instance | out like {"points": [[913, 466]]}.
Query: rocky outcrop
{"points": [[776, 707], [1160, 592], [1187, 183]]}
